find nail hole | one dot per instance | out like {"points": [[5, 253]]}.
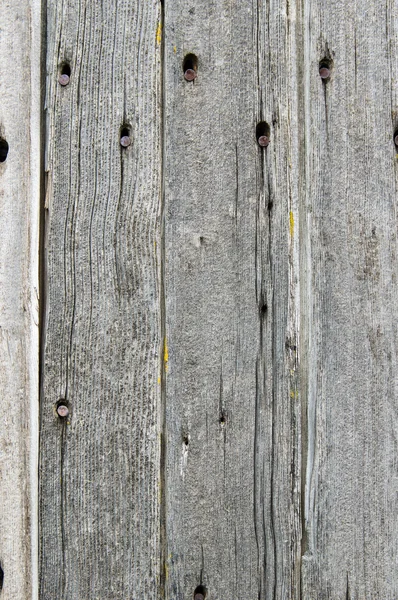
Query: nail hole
{"points": [[190, 67], [3, 150], [1, 578], [64, 74], [325, 69], [396, 138], [263, 134], [65, 69], [270, 205], [125, 137], [263, 309], [223, 419], [199, 593], [186, 440], [62, 409]]}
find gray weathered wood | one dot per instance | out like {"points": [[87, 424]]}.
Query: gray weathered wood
{"points": [[232, 410], [231, 375], [100, 467], [19, 319], [349, 301]]}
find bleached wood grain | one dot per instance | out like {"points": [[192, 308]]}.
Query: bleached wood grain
{"points": [[20, 76], [100, 468]]}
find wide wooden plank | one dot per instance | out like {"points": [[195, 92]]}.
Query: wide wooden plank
{"points": [[232, 408], [100, 465], [349, 301], [20, 37]]}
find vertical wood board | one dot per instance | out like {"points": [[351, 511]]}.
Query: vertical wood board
{"points": [[100, 466], [20, 37]]}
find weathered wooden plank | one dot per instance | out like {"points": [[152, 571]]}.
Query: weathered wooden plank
{"points": [[232, 412], [19, 318], [349, 301], [100, 466]]}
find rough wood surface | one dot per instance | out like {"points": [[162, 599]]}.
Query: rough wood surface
{"points": [[19, 318], [231, 373], [349, 301], [100, 467], [232, 411]]}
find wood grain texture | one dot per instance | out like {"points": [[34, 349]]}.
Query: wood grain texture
{"points": [[100, 468], [349, 301], [232, 408], [19, 319]]}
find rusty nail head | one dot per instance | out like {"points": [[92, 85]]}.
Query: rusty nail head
{"points": [[63, 79], [190, 75], [324, 72], [125, 141], [263, 141], [199, 597], [62, 410]]}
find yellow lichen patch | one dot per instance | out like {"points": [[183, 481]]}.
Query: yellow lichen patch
{"points": [[175, 50], [159, 33], [165, 354], [291, 224], [159, 380]]}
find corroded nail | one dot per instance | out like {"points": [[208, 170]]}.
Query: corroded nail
{"points": [[263, 141], [125, 141], [190, 75], [62, 410], [63, 79], [324, 72]]}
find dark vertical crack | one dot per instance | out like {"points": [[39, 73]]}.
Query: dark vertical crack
{"points": [[163, 495]]}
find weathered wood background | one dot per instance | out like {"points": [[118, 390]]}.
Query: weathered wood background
{"points": [[219, 319]]}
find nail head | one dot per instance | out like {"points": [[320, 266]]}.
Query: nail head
{"points": [[62, 410], [190, 75], [263, 141], [125, 141], [199, 597], [324, 72], [63, 79]]}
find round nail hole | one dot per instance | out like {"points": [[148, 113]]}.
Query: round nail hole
{"points": [[62, 409], [325, 69], [125, 137], [3, 150], [190, 67], [263, 134], [223, 419], [199, 593], [64, 76]]}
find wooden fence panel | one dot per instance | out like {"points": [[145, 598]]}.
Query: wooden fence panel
{"points": [[100, 464], [20, 156], [349, 302], [232, 407]]}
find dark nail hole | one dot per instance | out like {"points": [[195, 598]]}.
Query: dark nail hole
{"points": [[186, 440], [263, 309], [263, 134], [270, 205], [62, 409], [3, 150], [199, 593], [201, 239], [190, 67], [1, 578], [65, 69], [223, 418], [325, 69], [125, 136], [396, 138]]}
